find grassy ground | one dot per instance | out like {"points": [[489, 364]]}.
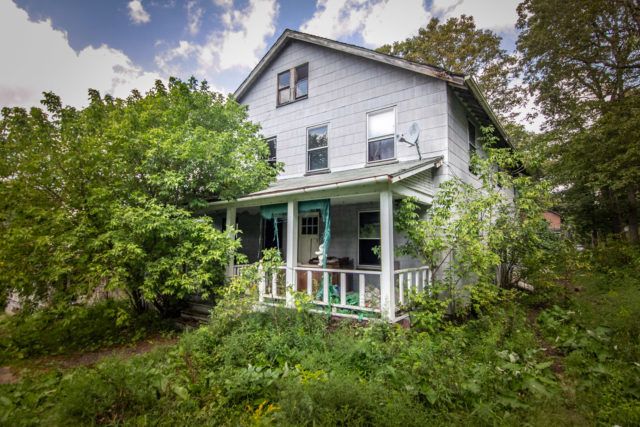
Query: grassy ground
{"points": [[565, 356]]}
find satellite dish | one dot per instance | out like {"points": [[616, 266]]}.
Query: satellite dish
{"points": [[411, 137]]}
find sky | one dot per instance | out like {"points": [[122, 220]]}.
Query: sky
{"points": [[68, 46]]}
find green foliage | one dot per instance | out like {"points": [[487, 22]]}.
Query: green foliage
{"points": [[107, 192], [582, 63], [457, 45], [598, 332], [472, 233], [286, 367], [64, 329]]}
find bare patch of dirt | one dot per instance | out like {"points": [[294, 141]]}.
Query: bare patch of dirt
{"points": [[7, 376], [76, 359], [549, 350]]}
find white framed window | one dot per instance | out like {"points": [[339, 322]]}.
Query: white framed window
{"points": [[381, 135], [473, 144], [272, 143], [293, 84], [318, 148], [368, 238]]}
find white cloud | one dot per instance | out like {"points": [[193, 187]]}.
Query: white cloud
{"points": [[137, 13], [224, 3], [44, 61], [237, 45], [394, 20], [496, 15], [378, 23], [194, 13]]}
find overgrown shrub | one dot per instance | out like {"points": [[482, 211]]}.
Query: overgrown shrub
{"points": [[67, 328]]}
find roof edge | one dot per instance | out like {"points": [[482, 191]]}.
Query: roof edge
{"points": [[477, 93], [428, 70]]}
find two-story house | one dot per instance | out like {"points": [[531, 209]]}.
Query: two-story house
{"points": [[356, 130]]}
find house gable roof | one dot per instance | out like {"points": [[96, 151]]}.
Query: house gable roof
{"points": [[464, 87], [287, 35]]}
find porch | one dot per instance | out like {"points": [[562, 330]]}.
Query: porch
{"points": [[327, 238]]}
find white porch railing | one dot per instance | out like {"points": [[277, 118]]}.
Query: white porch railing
{"points": [[407, 279], [353, 290], [237, 268], [357, 290]]}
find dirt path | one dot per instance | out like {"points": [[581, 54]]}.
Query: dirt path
{"points": [[11, 375], [549, 350]]}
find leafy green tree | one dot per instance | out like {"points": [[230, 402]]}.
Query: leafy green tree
{"points": [[105, 194], [457, 45], [481, 234], [582, 63]]}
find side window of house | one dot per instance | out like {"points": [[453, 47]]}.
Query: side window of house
{"points": [[271, 142], [473, 145], [318, 148], [368, 238], [293, 84], [381, 130]]}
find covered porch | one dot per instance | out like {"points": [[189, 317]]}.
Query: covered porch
{"points": [[326, 228]]}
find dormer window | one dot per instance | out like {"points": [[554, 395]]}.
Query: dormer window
{"points": [[293, 84]]}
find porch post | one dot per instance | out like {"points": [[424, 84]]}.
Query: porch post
{"points": [[230, 222], [292, 250], [387, 296]]}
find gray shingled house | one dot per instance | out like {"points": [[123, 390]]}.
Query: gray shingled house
{"points": [[342, 119]]}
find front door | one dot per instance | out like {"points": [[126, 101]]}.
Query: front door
{"points": [[308, 237]]}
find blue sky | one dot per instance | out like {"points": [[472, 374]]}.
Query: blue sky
{"points": [[68, 46]]}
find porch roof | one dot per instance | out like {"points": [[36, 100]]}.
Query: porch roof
{"points": [[391, 173]]}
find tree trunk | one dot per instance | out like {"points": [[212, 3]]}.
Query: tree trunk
{"points": [[617, 214], [633, 214]]}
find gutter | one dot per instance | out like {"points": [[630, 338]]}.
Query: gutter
{"points": [[304, 190]]}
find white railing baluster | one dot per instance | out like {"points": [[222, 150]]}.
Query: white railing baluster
{"points": [[274, 284], [409, 279], [262, 284], [309, 283], [361, 289], [325, 289], [401, 287], [343, 288]]}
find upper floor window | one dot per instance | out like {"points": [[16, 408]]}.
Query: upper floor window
{"points": [[473, 145], [293, 84], [271, 142], [381, 130], [318, 148]]}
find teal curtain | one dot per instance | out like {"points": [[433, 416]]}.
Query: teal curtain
{"points": [[274, 212], [323, 206]]}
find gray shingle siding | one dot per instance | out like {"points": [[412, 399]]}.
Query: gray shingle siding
{"points": [[342, 89]]}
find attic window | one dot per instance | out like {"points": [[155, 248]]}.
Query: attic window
{"points": [[293, 84]]}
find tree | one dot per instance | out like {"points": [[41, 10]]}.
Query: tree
{"points": [[458, 46], [478, 234], [105, 194], [582, 62]]}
